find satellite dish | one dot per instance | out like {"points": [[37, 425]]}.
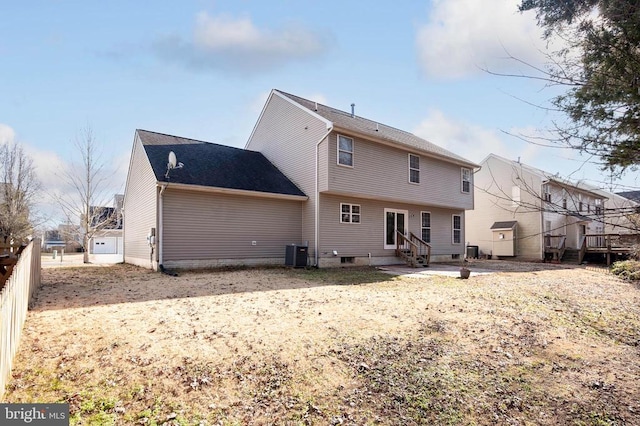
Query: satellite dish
{"points": [[172, 164]]}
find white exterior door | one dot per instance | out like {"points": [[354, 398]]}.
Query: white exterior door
{"points": [[394, 220]]}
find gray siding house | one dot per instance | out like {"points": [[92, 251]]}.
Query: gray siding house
{"points": [[345, 186], [225, 206], [364, 180]]}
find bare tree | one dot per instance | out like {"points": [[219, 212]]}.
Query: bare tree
{"points": [[597, 71], [18, 190], [88, 195]]}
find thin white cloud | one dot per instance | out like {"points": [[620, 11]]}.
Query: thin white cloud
{"points": [[472, 141], [236, 44], [7, 134], [475, 142], [463, 37]]}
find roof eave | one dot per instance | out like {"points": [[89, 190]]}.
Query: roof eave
{"points": [[412, 148], [232, 191], [575, 187]]}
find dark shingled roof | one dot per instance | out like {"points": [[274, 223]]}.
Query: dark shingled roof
{"points": [[630, 195], [363, 126], [213, 165], [504, 225]]}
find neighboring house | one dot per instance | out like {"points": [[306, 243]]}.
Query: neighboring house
{"points": [[67, 237], [108, 239], [524, 212], [620, 213], [347, 188]]}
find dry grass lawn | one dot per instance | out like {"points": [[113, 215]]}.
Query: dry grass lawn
{"points": [[540, 345]]}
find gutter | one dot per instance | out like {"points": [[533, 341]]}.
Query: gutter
{"points": [[316, 244], [159, 238]]}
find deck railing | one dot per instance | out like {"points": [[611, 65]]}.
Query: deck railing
{"points": [[412, 249], [612, 241], [556, 245]]}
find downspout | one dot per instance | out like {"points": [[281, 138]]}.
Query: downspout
{"points": [[159, 237], [542, 229], [317, 196]]}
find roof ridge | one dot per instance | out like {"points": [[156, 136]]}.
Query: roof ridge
{"points": [[347, 113], [196, 140], [375, 129], [176, 136]]}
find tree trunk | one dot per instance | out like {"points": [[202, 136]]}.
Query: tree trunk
{"points": [[85, 254]]}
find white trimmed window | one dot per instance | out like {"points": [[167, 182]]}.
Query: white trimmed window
{"points": [[349, 213], [546, 192], [598, 206], [414, 168], [515, 196], [466, 180], [580, 203], [426, 226], [345, 151], [456, 225]]}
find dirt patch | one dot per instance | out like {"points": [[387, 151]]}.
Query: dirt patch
{"points": [[540, 345]]}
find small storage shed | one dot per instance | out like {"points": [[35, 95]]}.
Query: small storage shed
{"points": [[504, 238]]}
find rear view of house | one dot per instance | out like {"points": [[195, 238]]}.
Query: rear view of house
{"points": [[347, 189], [369, 185]]}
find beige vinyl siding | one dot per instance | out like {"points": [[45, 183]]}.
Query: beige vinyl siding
{"points": [[617, 211], [563, 223], [493, 203], [204, 226], [350, 239], [139, 207], [287, 135], [381, 171]]}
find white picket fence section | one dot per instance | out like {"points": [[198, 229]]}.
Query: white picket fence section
{"points": [[15, 298]]}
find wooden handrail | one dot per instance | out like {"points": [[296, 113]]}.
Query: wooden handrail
{"points": [[562, 247], [420, 240], [582, 248], [413, 249], [422, 245]]}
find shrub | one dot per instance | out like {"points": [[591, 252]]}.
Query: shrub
{"points": [[627, 270]]}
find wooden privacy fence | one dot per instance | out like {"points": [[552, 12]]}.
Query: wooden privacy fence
{"points": [[18, 291]]}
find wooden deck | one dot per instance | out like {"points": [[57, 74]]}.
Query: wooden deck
{"points": [[605, 244]]}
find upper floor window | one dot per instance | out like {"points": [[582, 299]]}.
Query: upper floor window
{"points": [[414, 168], [349, 213], [426, 226], [598, 206], [456, 237], [564, 199], [466, 180], [580, 205], [345, 151], [515, 196], [546, 192]]}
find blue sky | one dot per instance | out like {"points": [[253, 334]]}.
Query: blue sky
{"points": [[203, 69]]}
